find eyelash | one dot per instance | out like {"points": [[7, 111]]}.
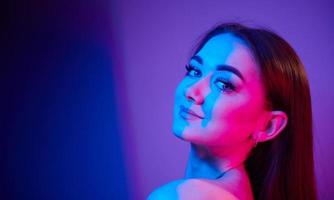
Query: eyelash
{"points": [[228, 87], [190, 68]]}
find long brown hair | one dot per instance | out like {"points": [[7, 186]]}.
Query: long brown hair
{"points": [[282, 168]]}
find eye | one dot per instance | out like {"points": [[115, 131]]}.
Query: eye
{"points": [[225, 86], [193, 71]]}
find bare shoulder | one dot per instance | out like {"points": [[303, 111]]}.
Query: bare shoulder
{"points": [[192, 189], [201, 189], [165, 192]]}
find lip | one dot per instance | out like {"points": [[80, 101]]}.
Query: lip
{"points": [[188, 113]]}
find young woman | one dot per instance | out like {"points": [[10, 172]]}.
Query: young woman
{"points": [[244, 106]]}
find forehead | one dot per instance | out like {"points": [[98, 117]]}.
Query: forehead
{"points": [[227, 49]]}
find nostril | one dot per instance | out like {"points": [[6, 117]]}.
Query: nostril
{"points": [[197, 91], [193, 95], [189, 97]]}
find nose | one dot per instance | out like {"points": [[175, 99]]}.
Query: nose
{"points": [[198, 91]]}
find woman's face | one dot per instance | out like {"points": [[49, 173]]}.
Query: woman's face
{"points": [[221, 99]]}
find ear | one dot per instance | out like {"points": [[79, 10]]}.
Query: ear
{"points": [[276, 122]]}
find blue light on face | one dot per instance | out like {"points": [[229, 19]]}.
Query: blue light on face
{"points": [[208, 80]]}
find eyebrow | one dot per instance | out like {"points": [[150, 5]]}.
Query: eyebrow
{"points": [[221, 67]]}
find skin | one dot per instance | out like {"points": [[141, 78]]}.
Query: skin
{"points": [[229, 116]]}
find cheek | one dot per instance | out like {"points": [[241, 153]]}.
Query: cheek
{"points": [[179, 98], [236, 117], [179, 92]]}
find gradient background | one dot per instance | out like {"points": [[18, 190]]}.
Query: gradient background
{"points": [[88, 90]]}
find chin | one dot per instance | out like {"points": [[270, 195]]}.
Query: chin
{"points": [[183, 134], [178, 131]]}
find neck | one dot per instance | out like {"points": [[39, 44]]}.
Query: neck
{"points": [[212, 162]]}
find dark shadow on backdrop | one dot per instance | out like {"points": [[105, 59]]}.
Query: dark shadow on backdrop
{"points": [[60, 134]]}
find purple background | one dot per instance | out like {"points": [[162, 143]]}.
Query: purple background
{"points": [[153, 40]]}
